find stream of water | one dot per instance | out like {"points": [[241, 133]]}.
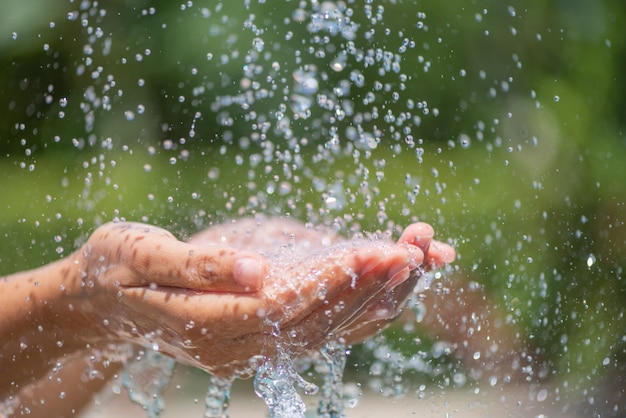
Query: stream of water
{"points": [[146, 379]]}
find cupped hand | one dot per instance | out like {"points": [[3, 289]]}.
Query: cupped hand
{"points": [[202, 304], [123, 256]]}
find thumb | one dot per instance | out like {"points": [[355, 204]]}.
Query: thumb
{"points": [[157, 258]]}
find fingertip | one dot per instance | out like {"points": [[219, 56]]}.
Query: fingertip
{"points": [[448, 252], [419, 234], [249, 273], [423, 230]]}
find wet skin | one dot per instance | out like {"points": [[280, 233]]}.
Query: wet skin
{"points": [[210, 302]]}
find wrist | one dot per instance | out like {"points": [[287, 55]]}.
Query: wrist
{"points": [[78, 302], [35, 322]]}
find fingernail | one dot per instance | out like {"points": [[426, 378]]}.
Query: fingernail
{"points": [[249, 272]]}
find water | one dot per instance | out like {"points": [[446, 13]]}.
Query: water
{"points": [[500, 125], [217, 398], [305, 110], [277, 382], [147, 378], [333, 356]]}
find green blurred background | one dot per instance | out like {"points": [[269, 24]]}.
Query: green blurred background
{"points": [[513, 134]]}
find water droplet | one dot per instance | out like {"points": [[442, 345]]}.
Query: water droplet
{"points": [[542, 395], [258, 44], [305, 81], [465, 141], [339, 63], [591, 260]]}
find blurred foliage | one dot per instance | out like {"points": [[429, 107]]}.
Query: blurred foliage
{"points": [[126, 110]]}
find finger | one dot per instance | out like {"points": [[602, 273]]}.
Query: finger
{"points": [[373, 268], [380, 312], [206, 269], [437, 254], [209, 317], [419, 234], [158, 258]]}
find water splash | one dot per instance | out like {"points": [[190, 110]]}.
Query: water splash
{"points": [[277, 382], [334, 359], [325, 98], [147, 378], [217, 398], [274, 383], [400, 360]]}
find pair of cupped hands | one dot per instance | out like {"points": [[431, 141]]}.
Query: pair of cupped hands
{"points": [[224, 296]]}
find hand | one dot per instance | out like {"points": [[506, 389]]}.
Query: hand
{"points": [[68, 312], [147, 288], [314, 273], [213, 303], [119, 257]]}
